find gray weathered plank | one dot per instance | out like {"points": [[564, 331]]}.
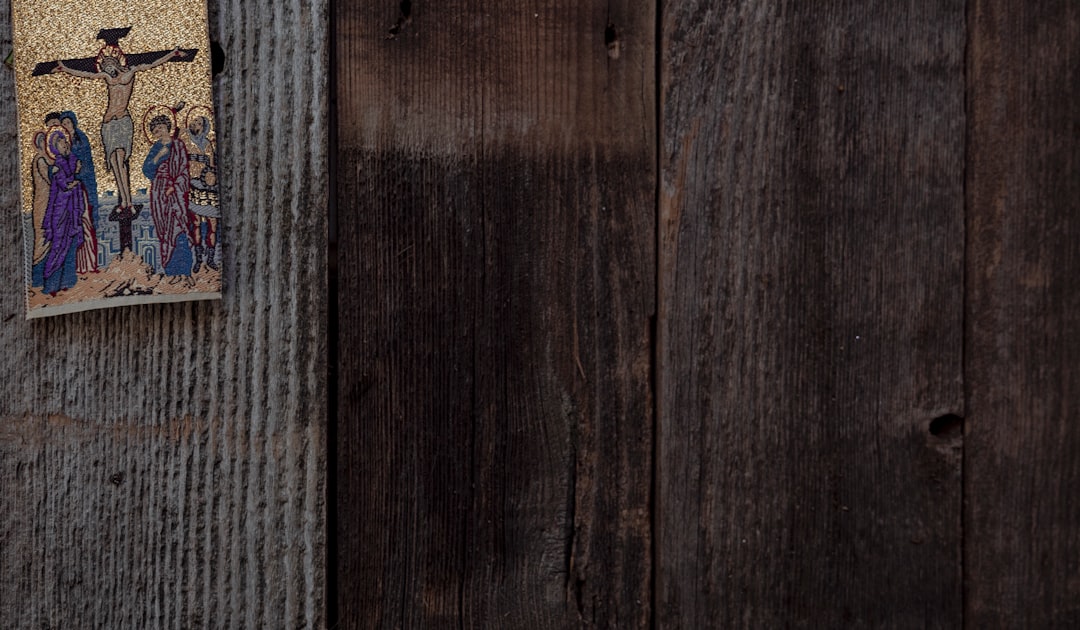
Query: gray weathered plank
{"points": [[163, 466], [497, 243], [1022, 470], [811, 247]]}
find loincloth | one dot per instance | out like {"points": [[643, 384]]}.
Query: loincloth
{"points": [[116, 134]]}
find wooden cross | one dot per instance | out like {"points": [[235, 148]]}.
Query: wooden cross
{"points": [[111, 37]]}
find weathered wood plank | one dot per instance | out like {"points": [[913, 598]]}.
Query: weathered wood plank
{"points": [[497, 243], [810, 314], [163, 466], [1022, 472]]}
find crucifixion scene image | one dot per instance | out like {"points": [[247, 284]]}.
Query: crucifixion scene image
{"points": [[118, 144]]}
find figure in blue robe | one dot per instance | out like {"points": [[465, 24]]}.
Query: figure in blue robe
{"points": [[80, 146]]}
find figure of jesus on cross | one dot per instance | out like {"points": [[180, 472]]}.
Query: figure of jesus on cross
{"points": [[117, 70]]}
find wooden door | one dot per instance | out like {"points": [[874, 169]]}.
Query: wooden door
{"points": [[717, 315]]}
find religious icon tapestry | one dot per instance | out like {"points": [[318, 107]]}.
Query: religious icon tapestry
{"points": [[118, 160]]}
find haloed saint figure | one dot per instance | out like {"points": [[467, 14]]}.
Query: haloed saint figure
{"points": [[167, 168], [62, 228]]}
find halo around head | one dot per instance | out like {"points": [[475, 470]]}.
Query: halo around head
{"points": [[50, 134], [152, 113], [199, 111], [110, 50]]}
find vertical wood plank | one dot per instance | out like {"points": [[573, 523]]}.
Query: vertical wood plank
{"points": [[1022, 474], [811, 247], [497, 282], [163, 466]]}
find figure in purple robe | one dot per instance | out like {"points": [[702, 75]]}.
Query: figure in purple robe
{"points": [[62, 227]]}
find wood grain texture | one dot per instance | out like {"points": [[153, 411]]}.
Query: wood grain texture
{"points": [[1022, 472], [811, 273], [163, 466], [496, 198]]}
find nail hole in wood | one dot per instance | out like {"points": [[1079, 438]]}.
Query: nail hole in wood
{"points": [[116, 478], [946, 426], [611, 40], [217, 58], [406, 16]]}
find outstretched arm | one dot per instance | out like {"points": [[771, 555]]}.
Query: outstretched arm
{"points": [[60, 67], [175, 52]]}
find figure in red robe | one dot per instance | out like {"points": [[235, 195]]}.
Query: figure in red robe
{"points": [[167, 168]]}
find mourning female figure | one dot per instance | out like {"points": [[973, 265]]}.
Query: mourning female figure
{"points": [[86, 258], [40, 176], [80, 146], [166, 166], [62, 226]]}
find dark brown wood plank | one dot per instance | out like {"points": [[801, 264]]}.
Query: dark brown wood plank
{"points": [[164, 466], [497, 281], [811, 304], [1022, 473]]}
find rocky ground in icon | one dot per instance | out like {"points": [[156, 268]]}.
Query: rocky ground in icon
{"points": [[127, 274]]}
